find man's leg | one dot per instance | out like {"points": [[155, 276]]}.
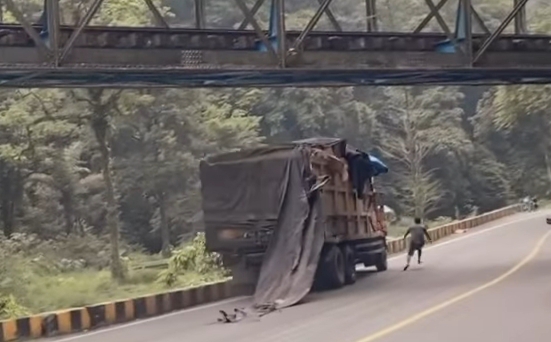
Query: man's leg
{"points": [[411, 251], [419, 252]]}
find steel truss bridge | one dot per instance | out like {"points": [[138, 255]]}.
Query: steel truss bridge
{"points": [[48, 54]]}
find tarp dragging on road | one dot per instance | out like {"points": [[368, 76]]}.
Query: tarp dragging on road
{"points": [[270, 188]]}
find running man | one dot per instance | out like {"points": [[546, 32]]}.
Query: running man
{"points": [[418, 233]]}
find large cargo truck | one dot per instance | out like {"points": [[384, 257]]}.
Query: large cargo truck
{"points": [[244, 195]]}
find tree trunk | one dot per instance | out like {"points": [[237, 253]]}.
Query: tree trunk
{"points": [[112, 214], [8, 214], [165, 232], [10, 191], [68, 210], [99, 126], [547, 164]]}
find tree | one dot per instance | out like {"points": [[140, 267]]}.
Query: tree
{"points": [[99, 107], [27, 142], [419, 127], [407, 147], [514, 123], [171, 131]]}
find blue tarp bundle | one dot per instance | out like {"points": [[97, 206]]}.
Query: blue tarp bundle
{"points": [[378, 166]]}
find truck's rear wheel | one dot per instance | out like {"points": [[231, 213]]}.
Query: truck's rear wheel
{"points": [[244, 279], [334, 268], [350, 265], [382, 262]]}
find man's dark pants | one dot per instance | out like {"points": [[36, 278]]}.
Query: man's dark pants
{"points": [[415, 246]]}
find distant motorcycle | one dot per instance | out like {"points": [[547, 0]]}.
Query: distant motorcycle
{"points": [[529, 204]]}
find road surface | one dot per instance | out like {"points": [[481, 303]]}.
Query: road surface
{"points": [[490, 284]]}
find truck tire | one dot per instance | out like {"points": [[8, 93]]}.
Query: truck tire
{"points": [[334, 268], [244, 279], [349, 264], [382, 262]]}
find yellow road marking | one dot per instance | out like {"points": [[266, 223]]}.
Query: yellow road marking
{"points": [[436, 308]]}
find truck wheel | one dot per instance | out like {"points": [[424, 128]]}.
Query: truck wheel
{"points": [[244, 279], [382, 262], [334, 268], [350, 265]]}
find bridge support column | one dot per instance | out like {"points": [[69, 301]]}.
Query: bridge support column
{"points": [[200, 14], [520, 19], [281, 39], [464, 29], [52, 20], [519, 5], [371, 15]]}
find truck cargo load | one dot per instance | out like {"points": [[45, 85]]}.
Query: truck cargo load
{"points": [[283, 216]]}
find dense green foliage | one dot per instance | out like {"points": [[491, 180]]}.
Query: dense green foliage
{"points": [[79, 168]]}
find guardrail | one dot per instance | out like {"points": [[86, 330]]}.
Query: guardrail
{"points": [[99, 315], [436, 233]]}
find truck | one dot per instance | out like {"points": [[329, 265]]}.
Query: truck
{"points": [[248, 196]]}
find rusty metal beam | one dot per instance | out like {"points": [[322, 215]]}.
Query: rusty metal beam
{"points": [[443, 25], [468, 43], [520, 19], [371, 15], [429, 16], [480, 21], [518, 7], [200, 14], [331, 17], [159, 20], [141, 38], [76, 33], [42, 48], [248, 15], [311, 24], [163, 60], [282, 37], [254, 10], [52, 10], [439, 6]]}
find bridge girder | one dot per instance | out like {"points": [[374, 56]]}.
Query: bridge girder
{"points": [[239, 57]]}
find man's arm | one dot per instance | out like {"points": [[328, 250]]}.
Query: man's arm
{"points": [[427, 234], [407, 233]]}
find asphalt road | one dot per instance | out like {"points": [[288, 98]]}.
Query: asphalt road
{"points": [[490, 284]]}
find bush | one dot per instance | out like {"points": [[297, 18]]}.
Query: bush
{"points": [[193, 257], [40, 276], [9, 308], [11, 283]]}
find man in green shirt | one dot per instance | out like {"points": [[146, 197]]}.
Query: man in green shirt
{"points": [[418, 233]]}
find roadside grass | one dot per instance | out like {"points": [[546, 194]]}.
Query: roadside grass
{"points": [[39, 291], [35, 280], [47, 293]]}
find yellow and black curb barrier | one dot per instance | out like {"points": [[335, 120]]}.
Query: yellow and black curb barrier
{"points": [[399, 245], [100, 315]]}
